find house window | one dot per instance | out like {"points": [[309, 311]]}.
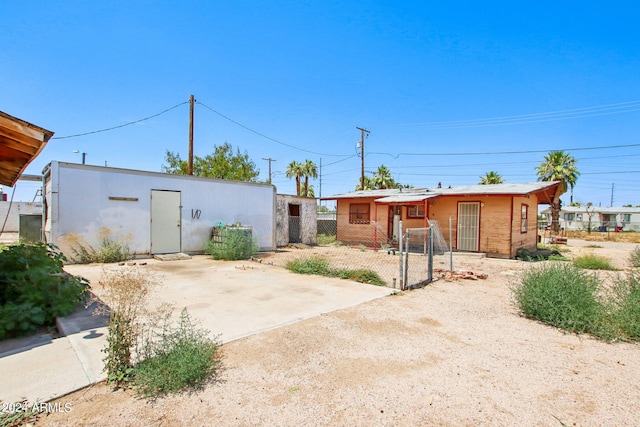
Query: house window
{"points": [[359, 213], [579, 217], [626, 217], [524, 218], [569, 216], [416, 211]]}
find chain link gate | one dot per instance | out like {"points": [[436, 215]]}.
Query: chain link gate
{"points": [[416, 247]]}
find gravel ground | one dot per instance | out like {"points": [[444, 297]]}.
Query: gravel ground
{"points": [[453, 353]]}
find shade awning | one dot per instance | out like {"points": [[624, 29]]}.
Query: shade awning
{"points": [[20, 143]]}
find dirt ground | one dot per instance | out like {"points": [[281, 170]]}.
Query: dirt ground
{"points": [[452, 353]]}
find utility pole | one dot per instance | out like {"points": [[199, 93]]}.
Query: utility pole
{"points": [[269, 159], [192, 102], [320, 199], [362, 132], [612, 185]]}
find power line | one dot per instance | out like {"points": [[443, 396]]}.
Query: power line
{"points": [[576, 113], [268, 137], [120, 126], [486, 153]]}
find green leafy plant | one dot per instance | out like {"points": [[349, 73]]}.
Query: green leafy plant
{"points": [[127, 292], [327, 239], [234, 244], [320, 266], [625, 306], [312, 265], [593, 262], [21, 413], [110, 250], [34, 289], [561, 295], [181, 358], [634, 257], [362, 276]]}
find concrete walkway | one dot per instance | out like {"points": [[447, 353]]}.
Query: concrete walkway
{"points": [[234, 299]]}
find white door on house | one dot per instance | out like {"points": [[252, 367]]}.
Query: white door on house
{"points": [[468, 226], [165, 222]]}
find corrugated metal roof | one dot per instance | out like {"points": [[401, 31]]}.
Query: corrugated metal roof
{"points": [[417, 194], [406, 198]]}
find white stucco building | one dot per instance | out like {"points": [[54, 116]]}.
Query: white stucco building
{"points": [[155, 212]]}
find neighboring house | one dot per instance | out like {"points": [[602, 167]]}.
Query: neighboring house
{"points": [[296, 220], [495, 219], [12, 215], [155, 213], [597, 218]]}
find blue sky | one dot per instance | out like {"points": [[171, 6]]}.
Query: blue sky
{"points": [[449, 90]]}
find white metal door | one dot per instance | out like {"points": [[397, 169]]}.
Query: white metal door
{"points": [[165, 222], [468, 226]]}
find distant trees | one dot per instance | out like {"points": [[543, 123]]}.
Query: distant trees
{"points": [[223, 163], [558, 166], [491, 177], [297, 170], [382, 179]]}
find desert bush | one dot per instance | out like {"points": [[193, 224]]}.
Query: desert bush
{"points": [[127, 292], [625, 306], [110, 249], [235, 245], [34, 289], [313, 265], [320, 266], [326, 239], [593, 262], [362, 276], [634, 257], [181, 358], [561, 295]]}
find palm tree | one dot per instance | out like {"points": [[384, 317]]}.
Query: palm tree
{"points": [[308, 190], [295, 169], [491, 177], [368, 184], [558, 166], [383, 179], [309, 169]]}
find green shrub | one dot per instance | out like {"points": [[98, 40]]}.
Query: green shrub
{"points": [[109, 251], [312, 265], [320, 266], [127, 291], [234, 245], [326, 239], [362, 276], [20, 319], [181, 358], [634, 257], [561, 295], [625, 307], [34, 289], [593, 262]]}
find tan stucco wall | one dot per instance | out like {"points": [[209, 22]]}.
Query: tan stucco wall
{"points": [[499, 235]]}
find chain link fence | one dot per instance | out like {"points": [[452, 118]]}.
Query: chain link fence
{"points": [[400, 263]]}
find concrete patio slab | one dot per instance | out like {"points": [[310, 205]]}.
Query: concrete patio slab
{"points": [[230, 299]]}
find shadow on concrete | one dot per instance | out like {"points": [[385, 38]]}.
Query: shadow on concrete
{"points": [[89, 318]]}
